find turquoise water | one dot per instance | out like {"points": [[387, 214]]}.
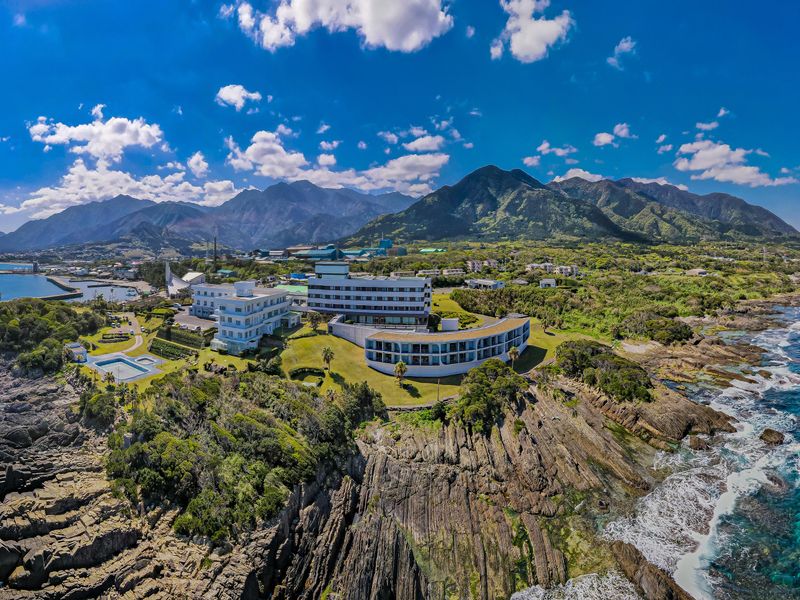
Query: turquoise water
{"points": [[122, 369], [16, 266], [26, 286], [726, 523]]}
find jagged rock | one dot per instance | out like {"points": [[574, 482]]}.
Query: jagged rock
{"points": [[698, 443], [652, 582], [772, 437]]}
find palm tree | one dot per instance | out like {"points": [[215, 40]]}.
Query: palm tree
{"points": [[327, 356], [513, 355], [400, 370]]}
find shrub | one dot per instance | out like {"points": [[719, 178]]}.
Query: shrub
{"points": [[485, 392], [169, 350]]}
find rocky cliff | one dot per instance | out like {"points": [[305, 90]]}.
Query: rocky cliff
{"points": [[418, 511]]}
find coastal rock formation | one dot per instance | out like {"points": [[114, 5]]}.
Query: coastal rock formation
{"points": [[417, 511], [772, 437]]}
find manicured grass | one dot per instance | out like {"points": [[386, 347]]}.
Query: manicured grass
{"points": [[349, 366], [542, 346], [107, 348], [443, 303]]}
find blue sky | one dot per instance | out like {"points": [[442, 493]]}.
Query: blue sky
{"points": [[198, 100]]}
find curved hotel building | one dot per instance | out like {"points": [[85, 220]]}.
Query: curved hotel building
{"points": [[445, 353]]}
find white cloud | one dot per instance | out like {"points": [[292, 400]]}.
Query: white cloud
{"points": [[723, 112], [266, 155], [327, 146], [720, 162], [660, 181], [623, 130], [475, 112], [323, 127], [404, 26], [326, 160], [579, 173], [470, 31], [82, 184], [226, 11], [529, 38], [106, 140], [532, 161], [665, 148], [362, 145], [426, 143], [197, 165], [388, 137], [173, 165], [626, 45], [603, 139], [286, 131], [20, 20], [660, 139], [236, 95], [469, 145], [545, 148], [707, 126]]}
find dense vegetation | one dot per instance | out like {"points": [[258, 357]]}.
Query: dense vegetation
{"points": [[35, 330], [596, 364], [485, 392], [229, 451]]}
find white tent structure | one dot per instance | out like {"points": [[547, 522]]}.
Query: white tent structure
{"points": [[175, 285]]}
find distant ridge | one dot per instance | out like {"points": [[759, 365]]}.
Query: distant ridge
{"points": [[493, 204], [282, 214]]}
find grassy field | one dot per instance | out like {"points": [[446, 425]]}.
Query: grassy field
{"points": [[542, 346], [349, 366], [107, 348], [443, 303]]}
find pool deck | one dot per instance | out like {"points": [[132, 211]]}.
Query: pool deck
{"points": [[144, 361]]}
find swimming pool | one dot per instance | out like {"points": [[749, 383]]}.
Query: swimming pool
{"points": [[122, 369]]}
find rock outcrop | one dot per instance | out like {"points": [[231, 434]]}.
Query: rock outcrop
{"points": [[417, 512], [772, 437]]}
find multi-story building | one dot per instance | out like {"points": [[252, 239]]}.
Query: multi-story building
{"points": [[474, 266], [547, 267], [244, 313], [371, 300], [429, 273], [485, 284], [445, 353], [452, 272], [567, 270]]}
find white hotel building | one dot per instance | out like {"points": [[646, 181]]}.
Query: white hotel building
{"points": [[369, 300], [244, 313]]}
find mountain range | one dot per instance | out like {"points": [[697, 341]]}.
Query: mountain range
{"points": [[488, 204], [493, 204], [281, 215]]}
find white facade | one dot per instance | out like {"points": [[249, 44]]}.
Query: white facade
{"points": [[244, 313], [485, 284], [370, 300], [547, 267], [446, 353], [547, 283]]}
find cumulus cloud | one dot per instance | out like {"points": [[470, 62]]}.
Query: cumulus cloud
{"points": [[532, 161], [106, 140], [82, 184], [323, 127], [326, 160], [623, 130], [362, 145], [426, 143], [545, 148], [707, 126], [388, 137], [403, 26], [660, 181], [468, 145], [581, 173], [328, 146], [626, 45], [197, 165], [707, 159], [236, 95], [723, 112], [267, 155], [604, 139], [470, 31], [660, 139], [665, 148], [527, 36]]}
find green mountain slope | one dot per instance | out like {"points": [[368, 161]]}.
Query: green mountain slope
{"points": [[493, 204]]}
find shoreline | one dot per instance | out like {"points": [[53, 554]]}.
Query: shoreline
{"points": [[711, 356]]}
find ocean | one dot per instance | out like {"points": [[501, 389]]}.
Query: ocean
{"points": [[14, 286], [726, 522]]}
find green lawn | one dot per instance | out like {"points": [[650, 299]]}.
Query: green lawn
{"points": [[349, 366], [541, 346], [442, 303], [108, 348]]}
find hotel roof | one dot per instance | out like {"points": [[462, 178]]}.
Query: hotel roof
{"points": [[502, 326]]}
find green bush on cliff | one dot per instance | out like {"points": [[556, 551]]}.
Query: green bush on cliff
{"points": [[228, 453], [485, 392], [35, 330], [595, 364]]}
